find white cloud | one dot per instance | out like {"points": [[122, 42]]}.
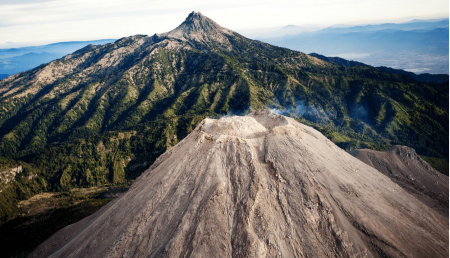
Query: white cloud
{"points": [[61, 20]]}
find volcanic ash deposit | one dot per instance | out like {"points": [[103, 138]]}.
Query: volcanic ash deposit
{"points": [[262, 185]]}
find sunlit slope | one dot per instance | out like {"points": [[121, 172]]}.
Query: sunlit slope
{"points": [[202, 69], [260, 185]]}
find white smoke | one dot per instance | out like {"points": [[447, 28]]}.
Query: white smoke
{"points": [[233, 112], [309, 112]]}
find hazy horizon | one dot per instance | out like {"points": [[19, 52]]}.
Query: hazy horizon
{"points": [[40, 22], [255, 31]]}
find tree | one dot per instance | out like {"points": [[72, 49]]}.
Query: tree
{"points": [[64, 180], [117, 173], [89, 178]]}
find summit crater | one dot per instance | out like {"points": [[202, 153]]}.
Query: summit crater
{"points": [[235, 188]]}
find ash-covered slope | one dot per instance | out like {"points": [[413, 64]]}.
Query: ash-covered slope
{"points": [[411, 172], [262, 185]]}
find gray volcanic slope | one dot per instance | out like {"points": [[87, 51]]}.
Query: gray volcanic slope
{"points": [[411, 172], [262, 185]]}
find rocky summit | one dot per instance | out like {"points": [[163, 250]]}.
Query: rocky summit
{"points": [[261, 185], [199, 28]]}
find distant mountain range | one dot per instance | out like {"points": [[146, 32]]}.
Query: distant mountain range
{"points": [[425, 25], [291, 30], [419, 47], [16, 60]]}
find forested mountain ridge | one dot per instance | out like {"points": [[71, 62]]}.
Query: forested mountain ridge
{"points": [[131, 75], [104, 113]]}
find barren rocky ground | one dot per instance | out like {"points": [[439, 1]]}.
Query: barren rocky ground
{"points": [[262, 185], [412, 173]]}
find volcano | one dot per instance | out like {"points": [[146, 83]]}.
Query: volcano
{"points": [[201, 68], [261, 185]]}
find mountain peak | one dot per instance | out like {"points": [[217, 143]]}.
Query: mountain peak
{"points": [[197, 21], [195, 16], [199, 28]]}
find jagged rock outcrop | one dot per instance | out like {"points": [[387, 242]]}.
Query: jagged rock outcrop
{"points": [[262, 185], [411, 172]]}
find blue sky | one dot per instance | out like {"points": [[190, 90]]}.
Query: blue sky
{"points": [[35, 22]]}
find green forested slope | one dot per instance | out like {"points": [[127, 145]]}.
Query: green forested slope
{"points": [[103, 114]]}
